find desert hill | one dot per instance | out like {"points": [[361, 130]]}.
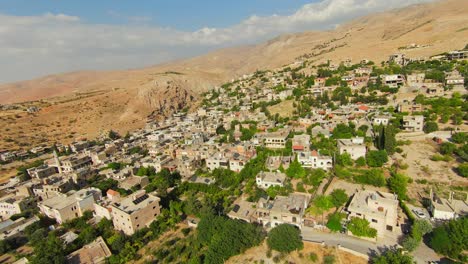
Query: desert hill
{"points": [[85, 103]]}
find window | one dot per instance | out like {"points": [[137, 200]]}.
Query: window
{"points": [[358, 214], [275, 217], [374, 221]]}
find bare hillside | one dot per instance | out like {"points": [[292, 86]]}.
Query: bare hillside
{"points": [[85, 103]]}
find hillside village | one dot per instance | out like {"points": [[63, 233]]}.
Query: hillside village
{"points": [[374, 152]]}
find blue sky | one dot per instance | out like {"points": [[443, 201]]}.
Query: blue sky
{"points": [[41, 37], [178, 14]]}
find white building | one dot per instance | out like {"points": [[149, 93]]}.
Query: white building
{"points": [[355, 147], [276, 140], [446, 209], [66, 207], [266, 179], [217, 161], [413, 123], [312, 159], [381, 120]]}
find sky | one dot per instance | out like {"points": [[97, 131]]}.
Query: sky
{"points": [[41, 37]]}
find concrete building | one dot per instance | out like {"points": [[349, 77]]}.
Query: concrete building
{"points": [[446, 209], [12, 204], [379, 208], [95, 252], [266, 179], [68, 206], [74, 163], [312, 159], [135, 212], [409, 107], [415, 79], [282, 210], [381, 120], [276, 140], [301, 143], [455, 79], [355, 147], [217, 161], [398, 58], [413, 123], [42, 171], [392, 80]]}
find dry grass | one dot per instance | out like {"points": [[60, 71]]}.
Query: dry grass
{"points": [[284, 109], [259, 254]]}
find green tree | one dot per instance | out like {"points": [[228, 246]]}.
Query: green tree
{"points": [[338, 197], [49, 250], [376, 158], [285, 238], [361, 161], [295, 170], [344, 159], [398, 184], [430, 126], [389, 139], [463, 169], [361, 227], [460, 137], [393, 256], [451, 239], [334, 222], [447, 148]]}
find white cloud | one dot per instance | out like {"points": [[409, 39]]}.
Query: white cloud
{"points": [[37, 45]]}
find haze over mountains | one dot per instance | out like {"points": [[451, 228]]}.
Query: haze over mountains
{"points": [[122, 100]]}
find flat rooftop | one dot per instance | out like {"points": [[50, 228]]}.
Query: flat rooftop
{"points": [[136, 202]]}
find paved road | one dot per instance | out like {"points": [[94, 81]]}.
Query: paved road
{"points": [[422, 255]]}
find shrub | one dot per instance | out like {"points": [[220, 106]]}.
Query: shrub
{"points": [[430, 126], [460, 137], [334, 222], [447, 148], [329, 259], [360, 227], [393, 257], [373, 177], [409, 243], [338, 197], [313, 257], [438, 157], [463, 169], [361, 161], [398, 184], [376, 158], [285, 238]]}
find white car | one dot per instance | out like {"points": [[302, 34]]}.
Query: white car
{"points": [[419, 213]]}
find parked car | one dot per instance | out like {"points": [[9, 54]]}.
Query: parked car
{"points": [[419, 213]]}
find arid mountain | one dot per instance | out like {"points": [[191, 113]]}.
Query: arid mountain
{"points": [[85, 103]]}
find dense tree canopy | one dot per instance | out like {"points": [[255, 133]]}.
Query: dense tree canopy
{"points": [[451, 239], [360, 227], [393, 256], [285, 238]]}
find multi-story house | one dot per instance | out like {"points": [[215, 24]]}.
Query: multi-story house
{"points": [[68, 206], [379, 208], [312, 159], [134, 212], [267, 179], [413, 123]]}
